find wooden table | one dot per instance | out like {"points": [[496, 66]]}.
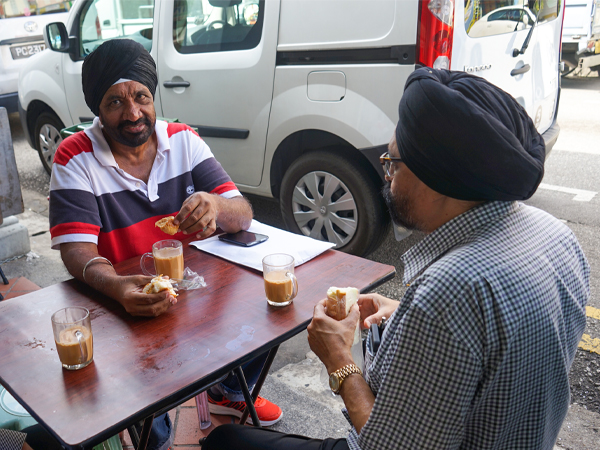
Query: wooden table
{"points": [[144, 366]]}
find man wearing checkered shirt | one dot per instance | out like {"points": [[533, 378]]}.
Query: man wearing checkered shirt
{"points": [[477, 353]]}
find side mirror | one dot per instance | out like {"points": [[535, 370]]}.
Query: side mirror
{"points": [[56, 37]]}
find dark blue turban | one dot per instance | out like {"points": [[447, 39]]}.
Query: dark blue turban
{"points": [[467, 139], [111, 61]]}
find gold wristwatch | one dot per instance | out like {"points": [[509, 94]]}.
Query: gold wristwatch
{"points": [[336, 378]]}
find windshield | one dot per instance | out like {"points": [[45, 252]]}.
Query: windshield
{"points": [[25, 8]]}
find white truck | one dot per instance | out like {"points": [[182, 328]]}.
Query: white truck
{"points": [[298, 98], [581, 35], [21, 26]]}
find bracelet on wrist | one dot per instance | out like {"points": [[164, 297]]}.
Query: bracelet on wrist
{"points": [[97, 258]]}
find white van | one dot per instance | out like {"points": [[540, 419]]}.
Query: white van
{"points": [[298, 98], [21, 26], [581, 35]]}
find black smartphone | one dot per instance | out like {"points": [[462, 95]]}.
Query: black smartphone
{"points": [[244, 238], [375, 338]]}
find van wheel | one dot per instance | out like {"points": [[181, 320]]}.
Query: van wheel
{"points": [[47, 137], [333, 199]]}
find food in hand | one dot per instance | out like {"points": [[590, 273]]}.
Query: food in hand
{"points": [[340, 300], [166, 225], [159, 284]]}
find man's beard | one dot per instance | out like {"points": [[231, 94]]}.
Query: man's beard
{"points": [[400, 209], [131, 139]]}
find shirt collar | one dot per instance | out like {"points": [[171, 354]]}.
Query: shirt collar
{"points": [[452, 233], [102, 150]]}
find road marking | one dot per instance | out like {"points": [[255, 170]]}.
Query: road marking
{"points": [[583, 149], [580, 194], [592, 312], [589, 344]]}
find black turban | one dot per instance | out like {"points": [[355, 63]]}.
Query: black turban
{"points": [[111, 61], [467, 139]]}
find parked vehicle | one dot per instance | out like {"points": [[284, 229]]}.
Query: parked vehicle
{"points": [[503, 20], [21, 26], [296, 99], [581, 35]]}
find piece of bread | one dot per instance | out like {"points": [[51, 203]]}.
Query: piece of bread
{"points": [[166, 225], [340, 300], [159, 284]]}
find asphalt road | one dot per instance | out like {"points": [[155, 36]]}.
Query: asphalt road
{"points": [[570, 191]]}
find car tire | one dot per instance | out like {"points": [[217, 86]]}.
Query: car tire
{"points": [[47, 138], [312, 192]]}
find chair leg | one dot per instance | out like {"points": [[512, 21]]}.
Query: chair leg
{"points": [[4, 279]]}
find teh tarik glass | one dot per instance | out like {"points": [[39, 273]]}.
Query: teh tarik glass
{"points": [[281, 285], [168, 259], [72, 329]]}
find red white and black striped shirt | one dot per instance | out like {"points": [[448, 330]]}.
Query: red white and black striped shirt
{"points": [[93, 200]]}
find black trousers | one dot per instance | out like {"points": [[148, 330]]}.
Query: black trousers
{"points": [[39, 439], [240, 437]]}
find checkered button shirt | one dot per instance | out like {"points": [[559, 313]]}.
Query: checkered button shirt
{"points": [[11, 440], [478, 352]]}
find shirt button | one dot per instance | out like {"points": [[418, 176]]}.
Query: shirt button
{"points": [[137, 184]]}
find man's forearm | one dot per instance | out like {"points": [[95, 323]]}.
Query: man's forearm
{"points": [[234, 214], [358, 399], [99, 274]]}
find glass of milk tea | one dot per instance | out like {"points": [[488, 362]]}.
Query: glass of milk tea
{"points": [[72, 329], [168, 259], [281, 285]]}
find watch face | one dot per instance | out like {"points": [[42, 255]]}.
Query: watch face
{"points": [[334, 382]]}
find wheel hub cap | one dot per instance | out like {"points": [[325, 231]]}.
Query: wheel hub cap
{"points": [[324, 208]]}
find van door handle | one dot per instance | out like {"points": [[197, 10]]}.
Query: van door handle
{"points": [[520, 70], [176, 84]]}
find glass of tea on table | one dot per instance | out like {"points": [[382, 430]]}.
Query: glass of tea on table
{"points": [[168, 259], [72, 329], [281, 285]]}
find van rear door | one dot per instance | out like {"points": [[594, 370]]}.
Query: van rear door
{"points": [[491, 45]]}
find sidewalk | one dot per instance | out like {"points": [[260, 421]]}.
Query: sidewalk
{"points": [[295, 381]]}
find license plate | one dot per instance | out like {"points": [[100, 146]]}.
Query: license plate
{"points": [[26, 50]]}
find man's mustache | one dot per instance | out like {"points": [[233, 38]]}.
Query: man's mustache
{"points": [[128, 123]]}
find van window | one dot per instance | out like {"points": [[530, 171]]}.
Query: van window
{"points": [[24, 8], [201, 26], [492, 17], [109, 19]]}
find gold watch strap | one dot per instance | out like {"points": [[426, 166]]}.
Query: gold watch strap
{"points": [[348, 369]]}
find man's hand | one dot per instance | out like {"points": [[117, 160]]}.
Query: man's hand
{"points": [[374, 307], [202, 212], [136, 303], [198, 214], [127, 290], [330, 339]]}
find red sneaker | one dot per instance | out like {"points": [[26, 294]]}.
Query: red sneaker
{"points": [[268, 412]]}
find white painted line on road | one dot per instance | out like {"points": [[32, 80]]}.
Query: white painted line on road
{"points": [[580, 194], [578, 149]]}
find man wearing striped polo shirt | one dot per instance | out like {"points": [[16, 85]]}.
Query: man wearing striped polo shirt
{"points": [[113, 181]]}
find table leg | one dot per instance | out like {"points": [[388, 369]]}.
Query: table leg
{"points": [[133, 434], [247, 396], [4, 279], [259, 383], [140, 442]]}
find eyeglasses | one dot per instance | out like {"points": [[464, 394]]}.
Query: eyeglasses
{"points": [[386, 161]]}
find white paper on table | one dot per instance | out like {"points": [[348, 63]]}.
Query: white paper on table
{"points": [[302, 248]]}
